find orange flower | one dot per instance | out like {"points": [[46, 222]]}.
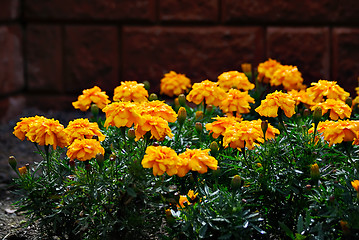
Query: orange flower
{"points": [[184, 200], [355, 185], [82, 128], [301, 96], [22, 170], [288, 76], [174, 84], [234, 79], [236, 101], [84, 149], [92, 95], [122, 114], [267, 69], [206, 91], [218, 127], [157, 126], [329, 89], [159, 109], [196, 160], [161, 159], [338, 109], [269, 106], [42, 131], [130, 91]]}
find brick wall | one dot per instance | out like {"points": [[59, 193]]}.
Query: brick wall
{"points": [[50, 50]]}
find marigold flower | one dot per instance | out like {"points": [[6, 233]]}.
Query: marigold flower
{"points": [[278, 99], [42, 131], [92, 95], [337, 131], [157, 126], [219, 126], [82, 128], [84, 149], [130, 91], [234, 79], [122, 114], [328, 89], [196, 160], [355, 185], [22, 170], [159, 109], [184, 200], [236, 101], [301, 96], [288, 76], [338, 109], [267, 69], [161, 159], [174, 84], [206, 91]]}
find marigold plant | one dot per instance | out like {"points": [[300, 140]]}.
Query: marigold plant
{"points": [[236, 101], [219, 126], [121, 114], [92, 95], [84, 149], [206, 91], [82, 128], [269, 106], [328, 89], [234, 79], [183, 200], [267, 69], [130, 91], [288, 76], [174, 84], [158, 108], [337, 108], [157, 126]]}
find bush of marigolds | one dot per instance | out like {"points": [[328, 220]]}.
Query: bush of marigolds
{"points": [[253, 155]]}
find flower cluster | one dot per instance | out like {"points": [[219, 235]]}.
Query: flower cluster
{"points": [[174, 84], [267, 69]]}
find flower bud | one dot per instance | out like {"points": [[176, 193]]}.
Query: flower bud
{"points": [[209, 108], [259, 165], [100, 159], [306, 112], [199, 115], [264, 126], [72, 163], [317, 115], [182, 115], [146, 85], [153, 97], [155, 144], [22, 170], [94, 109], [13, 162], [345, 227], [131, 134], [214, 148], [199, 127], [236, 182], [314, 172], [182, 100], [246, 67], [112, 157], [349, 101]]}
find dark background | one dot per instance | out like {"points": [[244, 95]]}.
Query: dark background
{"points": [[50, 50]]}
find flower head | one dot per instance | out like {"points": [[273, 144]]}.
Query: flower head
{"points": [[267, 69], [122, 114], [235, 79], [236, 101], [269, 106], [130, 91], [206, 91], [328, 89], [22, 170], [196, 160], [219, 126], [26, 125], [157, 126], [82, 128], [159, 109], [161, 159], [184, 198], [338, 109], [174, 84], [301, 96], [84, 149], [288, 76], [355, 185], [92, 95]]}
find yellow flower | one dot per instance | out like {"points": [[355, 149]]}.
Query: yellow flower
{"points": [[355, 185], [121, 114], [130, 91], [161, 159], [23, 170], [234, 79], [206, 91], [328, 89], [84, 149], [338, 109], [288, 76], [267, 69], [174, 84], [92, 95], [218, 127], [236, 101], [82, 128], [269, 106], [337, 131], [159, 109], [196, 160], [157, 126], [301, 96], [42, 131], [184, 200], [242, 134]]}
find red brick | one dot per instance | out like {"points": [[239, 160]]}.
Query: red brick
{"points": [[188, 10], [11, 60], [91, 57], [139, 10], [345, 68], [198, 52], [9, 9], [44, 58], [305, 47], [279, 11]]}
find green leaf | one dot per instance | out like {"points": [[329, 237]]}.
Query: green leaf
{"points": [[131, 192], [202, 231], [286, 230], [300, 224]]}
